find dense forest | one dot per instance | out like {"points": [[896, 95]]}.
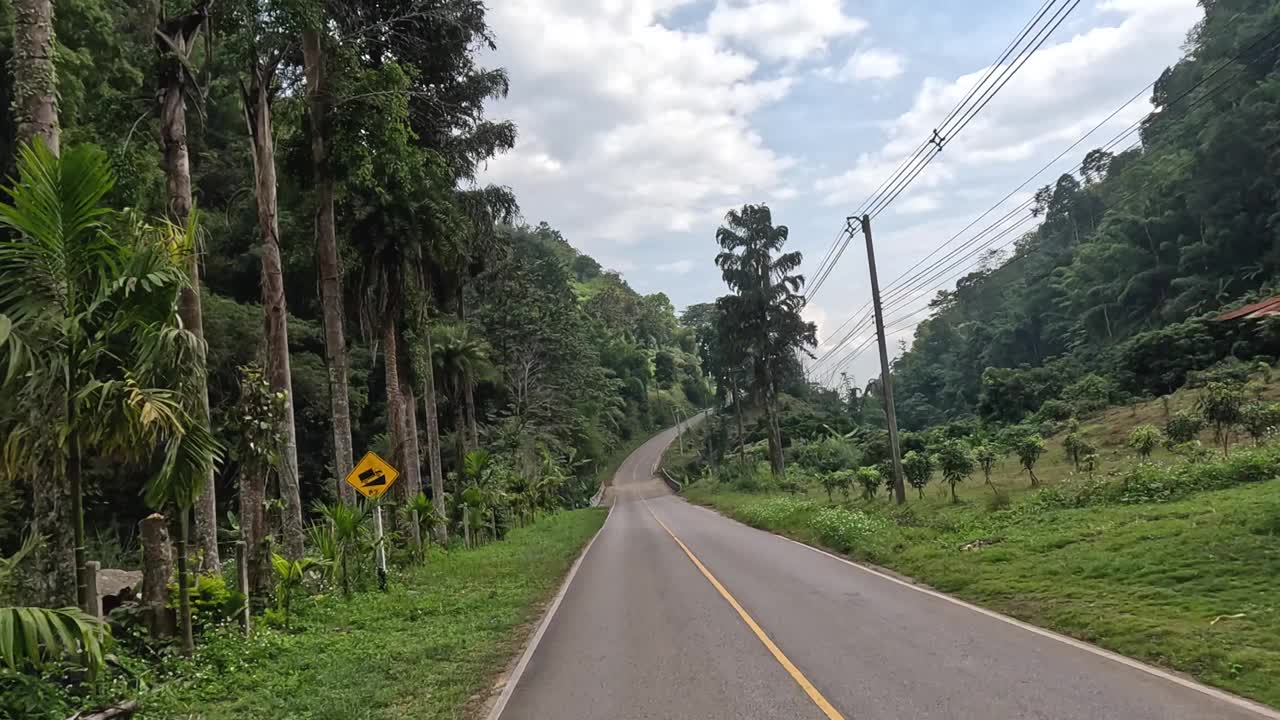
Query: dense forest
{"points": [[243, 243], [1131, 254]]}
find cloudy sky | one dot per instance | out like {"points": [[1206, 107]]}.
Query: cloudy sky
{"points": [[642, 122]]}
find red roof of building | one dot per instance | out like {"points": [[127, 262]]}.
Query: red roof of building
{"points": [[1264, 308]]}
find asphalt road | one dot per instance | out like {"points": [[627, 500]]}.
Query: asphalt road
{"points": [[762, 627]]}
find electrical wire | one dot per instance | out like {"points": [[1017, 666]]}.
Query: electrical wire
{"points": [[901, 291], [942, 140], [915, 163]]}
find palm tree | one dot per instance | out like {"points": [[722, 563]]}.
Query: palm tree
{"points": [[258, 96], [401, 209], [762, 317], [346, 530], [177, 86], [420, 354], [465, 256], [31, 635], [328, 262], [97, 358], [462, 357]]}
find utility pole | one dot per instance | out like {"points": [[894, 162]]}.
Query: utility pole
{"points": [[886, 382], [679, 428]]}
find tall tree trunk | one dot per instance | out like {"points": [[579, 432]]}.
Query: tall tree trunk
{"points": [[469, 402], [431, 412], [771, 421], [52, 577], [737, 409], [77, 518], [395, 398], [468, 382], [330, 269], [253, 530], [184, 586], [413, 458], [459, 421], [257, 108], [35, 91], [175, 50]]}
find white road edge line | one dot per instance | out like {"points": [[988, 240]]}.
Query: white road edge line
{"points": [[509, 689], [1213, 692]]}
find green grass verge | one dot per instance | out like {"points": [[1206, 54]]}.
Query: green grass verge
{"points": [[1190, 585], [428, 648]]}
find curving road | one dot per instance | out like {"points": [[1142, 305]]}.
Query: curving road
{"points": [[677, 612]]}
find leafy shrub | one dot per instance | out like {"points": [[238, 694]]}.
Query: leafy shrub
{"points": [[998, 501], [830, 454], [830, 483], [212, 601], [291, 576], [32, 637], [774, 512], [918, 469], [1260, 419], [1077, 448], [986, 456], [747, 478], [1029, 450], [1193, 451], [1228, 371], [1153, 482], [1090, 393], [1183, 426], [1220, 404], [846, 530], [870, 478], [956, 462], [26, 695], [1144, 439], [1054, 409]]}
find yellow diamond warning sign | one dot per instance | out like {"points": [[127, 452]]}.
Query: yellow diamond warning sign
{"points": [[372, 476]]}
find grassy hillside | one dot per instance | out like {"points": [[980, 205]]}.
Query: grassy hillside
{"points": [[1168, 561]]}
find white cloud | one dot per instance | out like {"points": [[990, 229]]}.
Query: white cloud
{"points": [[872, 64], [628, 127], [783, 29], [1061, 92], [869, 173], [918, 204], [816, 315], [678, 267]]}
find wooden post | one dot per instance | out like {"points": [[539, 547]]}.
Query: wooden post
{"points": [[886, 378], [466, 526], [157, 568], [92, 599], [242, 584]]}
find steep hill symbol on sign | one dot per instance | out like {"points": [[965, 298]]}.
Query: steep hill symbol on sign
{"points": [[372, 476]]}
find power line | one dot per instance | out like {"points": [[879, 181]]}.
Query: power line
{"points": [[844, 235], [941, 140], [861, 325], [825, 260], [943, 131], [896, 288], [1025, 183], [912, 283], [915, 163]]}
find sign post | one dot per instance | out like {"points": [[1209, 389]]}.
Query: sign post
{"points": [[372, 477]]}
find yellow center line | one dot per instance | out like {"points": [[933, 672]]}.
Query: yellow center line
{"points": [[823, 704]]}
